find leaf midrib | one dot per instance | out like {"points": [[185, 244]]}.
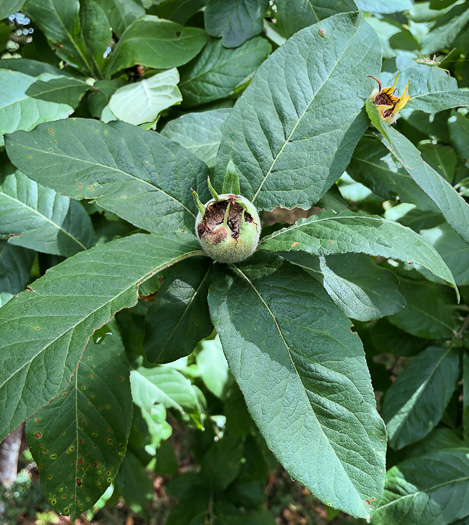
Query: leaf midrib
{"points": [[287, 141], [110, 168], [420, 391], [44, 217], [83, 319], [298, 375]]}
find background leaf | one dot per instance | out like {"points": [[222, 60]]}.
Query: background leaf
{"points": [[454, 208], [15, 267], [153, 42], [419, 488], [328, 234], [9, 7], [446, 29], [60, 22], [213, 367], [303, 374], [39, 218], [417, 399], [145, 100], [122, 13], [428, 313], [235, 20], [164, 385], [136, 174], [53, 322], [359, 287], [178, 318], [374, 166], [20, 111], [383, 6], [178, 10], [79, 439], [218, 71], [288, 144], [293, 16], [198, 132]]}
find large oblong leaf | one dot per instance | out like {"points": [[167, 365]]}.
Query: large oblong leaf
{"points": [[79, 439], [40, 219], [359, 287], [453, 207], [218, 71], [416, 401], [60, 22], [20, 111], [136, 174], [303, 374], [199, 132], [346, 232], [292, 133], [143, 101], [431, 489], [44, 331], [293, 16], [235, 20], [178, 318], [154, 42]]}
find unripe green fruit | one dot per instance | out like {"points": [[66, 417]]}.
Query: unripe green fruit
{"points": [[229, 228]]}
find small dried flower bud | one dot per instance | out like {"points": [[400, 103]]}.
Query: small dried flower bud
{"points": [[228, 227]]}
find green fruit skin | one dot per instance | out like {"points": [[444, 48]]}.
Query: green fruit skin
{"points": [[232, 250]]}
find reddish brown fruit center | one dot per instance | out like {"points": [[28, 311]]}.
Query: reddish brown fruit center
{"points": [[214, 217]]}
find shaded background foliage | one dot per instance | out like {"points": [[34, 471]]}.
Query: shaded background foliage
{"points": [[191, 452]]}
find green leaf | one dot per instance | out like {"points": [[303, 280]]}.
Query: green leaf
{"points": [[328, 233], [360, 288], [9, 7], [387, 338], [153, 42], [178, 318], [431, 88], [53, 322], [178, 10], [375, 167], [235, 21], [465, 384], [291, 351], [417, 399], [166, 386], [60, 22], [20, 111], [231, 182], [218, 71], [15, 267], [32, 68], [221, 464], [213, 367], [122, 13], [97, 32], [441, 158], [58, 89], [145, 100], [135, 486], [79, 439], [199, 132], [427, 489], [136, 174], [459, 133], [453, 207], [39, 218], [383, 6], [446, 29], [429, 312], [290, 156], [453, 250], [296, 15]]}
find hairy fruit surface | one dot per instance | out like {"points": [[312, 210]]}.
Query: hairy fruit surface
{"points": [[229, 228]]}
